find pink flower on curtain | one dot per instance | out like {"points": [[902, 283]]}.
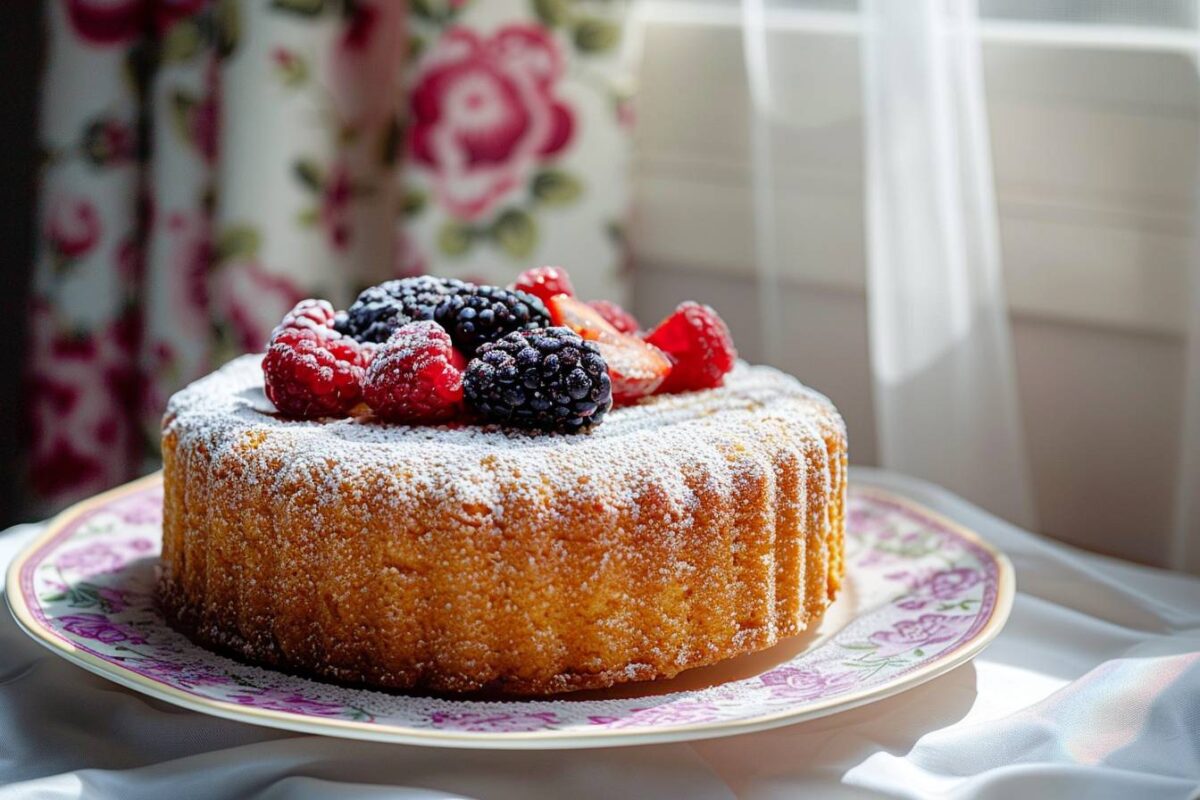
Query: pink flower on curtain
{"points": [[79, 377], [73, 228], [336, 196], [205, 126], [107, 22], [190, 259], [484, 111], [364, 65]]}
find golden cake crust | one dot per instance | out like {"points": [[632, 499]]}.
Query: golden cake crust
{"points": [[680, 532]]}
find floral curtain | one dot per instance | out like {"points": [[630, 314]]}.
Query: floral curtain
{"points": [[210, 162]]}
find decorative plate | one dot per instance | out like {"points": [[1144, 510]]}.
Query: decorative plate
{"points": [[921, 597]]}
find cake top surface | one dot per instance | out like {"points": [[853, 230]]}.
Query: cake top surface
{"points": [[231, 398], [757, 412]]}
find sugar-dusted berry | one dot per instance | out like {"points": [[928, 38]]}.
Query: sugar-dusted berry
{"points": [[416, 376], [699, 345], [311, 372], [484, 314], [310, 313], [548, 378], [544, 283]]}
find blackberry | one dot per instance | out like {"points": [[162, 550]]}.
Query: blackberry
{"points": [[486, 313], [548, 378], [380, 310]]}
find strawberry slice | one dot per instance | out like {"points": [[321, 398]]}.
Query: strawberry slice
{"points": [[635, 368], [577, 315]]}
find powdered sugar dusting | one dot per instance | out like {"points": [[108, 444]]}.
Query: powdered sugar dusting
{"points": [[651, 439]]}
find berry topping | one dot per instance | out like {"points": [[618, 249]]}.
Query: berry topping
{"points": [[313, 372], [579, 317], [380, 310], [616, 316], [635, 368], [548, 378], [699, 345], [311, 314], [486, 313], [416, 376], [544, 282]]}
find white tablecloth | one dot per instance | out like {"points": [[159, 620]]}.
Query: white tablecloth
{"points": [[1092, 690]]}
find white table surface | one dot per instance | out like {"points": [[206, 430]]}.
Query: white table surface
{"points": [[1092, 690]]}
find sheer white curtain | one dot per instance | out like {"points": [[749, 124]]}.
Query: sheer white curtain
{"points": [[941, 360], [941, 353], [1185, 544]]}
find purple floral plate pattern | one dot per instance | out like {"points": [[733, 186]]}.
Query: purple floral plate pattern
{"points": [[921, 597]]}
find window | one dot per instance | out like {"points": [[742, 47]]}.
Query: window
{"points": [[1095, 122]]}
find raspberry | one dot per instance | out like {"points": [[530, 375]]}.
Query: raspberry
{"points": [[312, 372], [416, 376], [483, 314], [616, 316], [699, 344], [544, 282], [547, 378], [310, 313]]}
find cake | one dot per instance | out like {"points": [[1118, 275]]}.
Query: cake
{"points": [[686, 529]]}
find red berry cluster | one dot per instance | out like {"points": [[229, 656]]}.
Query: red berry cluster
{"points": [[312, 370], [689, 350]]}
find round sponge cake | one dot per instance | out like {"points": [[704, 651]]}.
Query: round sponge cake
{"points": [[683, 530]]}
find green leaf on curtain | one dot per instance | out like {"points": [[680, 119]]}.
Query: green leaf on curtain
{"points": [[309, 8], [308, 217], [454, 239], [238, 242], [309, 173], [426, 9], [416, 46], [595, 35], [515, 232], [393, 139], [229, 27], [552, 12], [183, 109], [554, 187], [181, 42], [414, 203]]}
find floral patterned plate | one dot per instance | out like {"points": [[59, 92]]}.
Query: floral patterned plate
{"points": [[922, 596]]}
